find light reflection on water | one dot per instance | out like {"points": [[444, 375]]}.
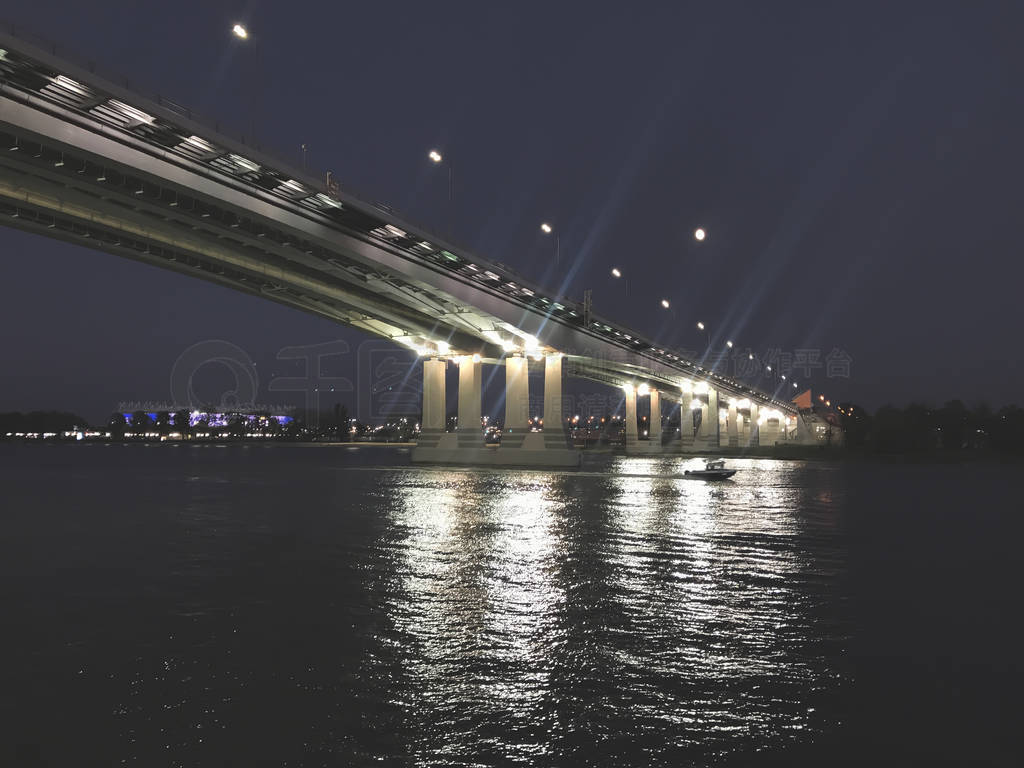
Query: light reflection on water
{"points": [[618, 615], [633, 599]]}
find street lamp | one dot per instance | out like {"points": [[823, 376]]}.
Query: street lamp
{"points": [[665, 304], [728, 344], [699, 234], [707, 336], [437, 158], [547, 230], [617, 274], [240, 32]]}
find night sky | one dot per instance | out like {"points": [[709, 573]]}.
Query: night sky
{"points": [[857, 167]]}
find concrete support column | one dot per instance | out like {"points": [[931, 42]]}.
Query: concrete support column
{"points": [[686, 421], [712, 421], [732, 426], [555, 433], [469, 430], [631, 429], [519, 447], [517, 402], [742, 428], [432, 427], [654, 430], [753, 425]]}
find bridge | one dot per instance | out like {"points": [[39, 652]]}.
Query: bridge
{"points": [[88, 160]]}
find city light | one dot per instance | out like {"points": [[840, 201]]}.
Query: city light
{"points": [[240, 32], [435, 156], [616, 272], [664, 303], [546, 228], [699, 234], [728, 344], [643, 389], [700, 326]]}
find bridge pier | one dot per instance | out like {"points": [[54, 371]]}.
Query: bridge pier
{"points": [[707, 436], [686, 432], [556, 436], [732, 425], [519, 445], [632, 435], [635, 445], [468, 425], [768, 432], [433, 435]]}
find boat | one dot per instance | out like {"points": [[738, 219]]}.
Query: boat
{"points": [[714, 469]]}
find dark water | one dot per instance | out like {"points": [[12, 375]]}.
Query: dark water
{"points": [[293, 605]]}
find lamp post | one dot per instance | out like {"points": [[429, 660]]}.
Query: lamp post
{"points": [[242, 33], [707, 337], [547, 229], [617, 274], [437, 158]]}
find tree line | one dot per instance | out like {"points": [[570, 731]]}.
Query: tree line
{"points": [[918, 428], [40, 421]]}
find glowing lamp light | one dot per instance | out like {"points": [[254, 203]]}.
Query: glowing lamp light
{"points": [[476, 358], [443, 348], [643, 389], [699, 234], [700, 326], [240, 32], [545, 228], [664, 303], [728, 344], [616, 272], [435, 156], [627, 388]]}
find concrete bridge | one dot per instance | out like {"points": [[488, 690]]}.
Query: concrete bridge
{"points": [[88, 160]]}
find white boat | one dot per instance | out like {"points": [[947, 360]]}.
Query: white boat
{"points": [[714, 469]]}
